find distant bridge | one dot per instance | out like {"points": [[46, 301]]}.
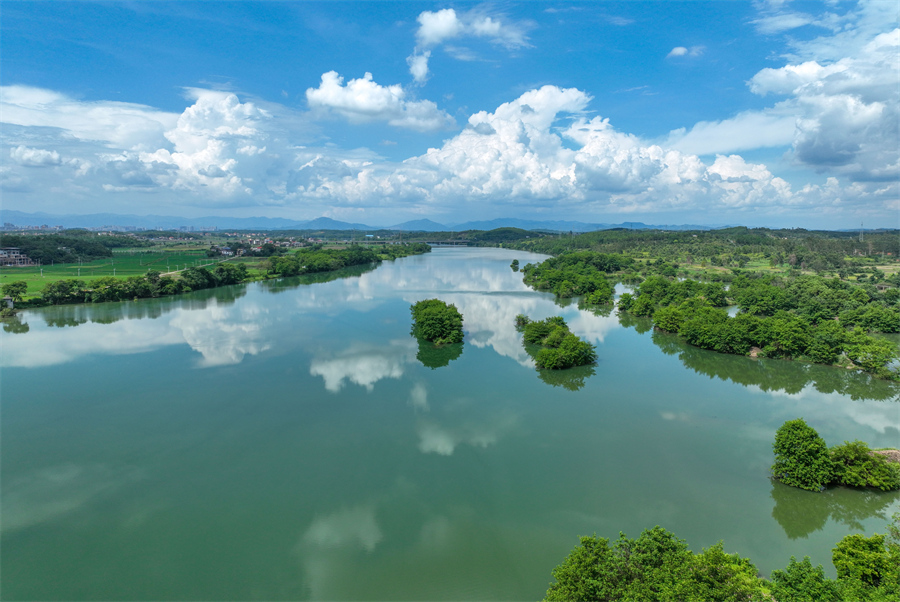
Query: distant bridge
{"points": [[447, 243]]}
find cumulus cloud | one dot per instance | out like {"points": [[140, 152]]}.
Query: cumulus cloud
{"points": [[847, 112], [436, 28], [543, 151], [34, 157], [363, 99]]}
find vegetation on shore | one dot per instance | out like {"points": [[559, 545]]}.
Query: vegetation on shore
{"points": [[802, 459], [824, 321], [151, 283], [659, 566]]}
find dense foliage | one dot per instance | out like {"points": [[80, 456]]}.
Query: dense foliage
{"points": [[314, 259], [657, 566], [734, 247], [577, 274], [55, 248], [821, 320], [801, 456], [560, 348], [153, 284], [437, 321], [803, 460]]}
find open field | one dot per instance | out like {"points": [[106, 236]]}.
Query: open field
{"points": [[124, 263]]}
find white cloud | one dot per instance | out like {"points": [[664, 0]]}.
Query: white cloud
{"points": [[682, 51], [436, 28], [847, 112], [745, 131], [124, 125], [34, 157], [362, 100], [840, 117], [418, 65]]}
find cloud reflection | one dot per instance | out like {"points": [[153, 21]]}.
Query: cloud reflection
{"points": [[365, 364]]}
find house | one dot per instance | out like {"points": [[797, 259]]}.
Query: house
{"points": [[14, 257]]}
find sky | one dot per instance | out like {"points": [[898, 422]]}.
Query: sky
{"points": [[777, 114]]}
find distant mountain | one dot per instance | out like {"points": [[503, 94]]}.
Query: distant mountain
{"points": [[326, 223], [168, 222], [570, 226], [420, 225]]}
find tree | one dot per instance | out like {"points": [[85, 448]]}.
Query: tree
{"points": [[856, 466], [655, 566], [800, 582], [801, 456], [437, 321], [16, 290]]}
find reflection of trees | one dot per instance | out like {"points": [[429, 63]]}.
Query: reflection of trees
{"points": [[570, 378], [777, 375], [801, 512], [603, 310], [285, 284], [437, 356], [109, 313], [15, 325], [63, 321], [641, 325]]}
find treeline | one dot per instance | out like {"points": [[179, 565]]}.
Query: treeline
{"points": [[659, 566], [820, 320], [577, 274], [734, 247], [55, 248], [318, 259], [152, 284]]}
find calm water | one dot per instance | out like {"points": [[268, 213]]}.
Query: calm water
{"points": [[285, 440]]}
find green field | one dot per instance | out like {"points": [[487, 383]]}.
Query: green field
{"points": [[124, 263]]}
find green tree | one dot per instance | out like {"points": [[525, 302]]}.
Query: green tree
{"points": [[16, 290], [437, 321], [800, 582], [856, 466], [801, 456]]}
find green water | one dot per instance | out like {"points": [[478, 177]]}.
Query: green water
{"points": [[283, 440]]}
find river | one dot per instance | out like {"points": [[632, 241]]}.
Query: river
{"points": [[290, 440]]}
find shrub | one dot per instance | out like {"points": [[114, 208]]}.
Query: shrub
{"points": [[800, 582], [801, 456], [855, 465]]}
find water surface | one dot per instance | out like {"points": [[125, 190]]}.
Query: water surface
{"points": [[291, 440]]}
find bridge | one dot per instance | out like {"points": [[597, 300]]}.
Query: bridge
{"points": [[447, 243]]}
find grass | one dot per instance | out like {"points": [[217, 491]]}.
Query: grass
{"points": [[121, 265]]}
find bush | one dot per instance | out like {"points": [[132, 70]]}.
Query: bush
{"points": [[801, 456], [655, 566], [856, 466], [800, 582]]}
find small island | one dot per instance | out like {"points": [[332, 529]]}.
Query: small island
{"points": [[802, 459], [560, 348], [437, 322]]}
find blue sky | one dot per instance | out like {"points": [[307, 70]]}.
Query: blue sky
{"points": [[768, 113]]}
